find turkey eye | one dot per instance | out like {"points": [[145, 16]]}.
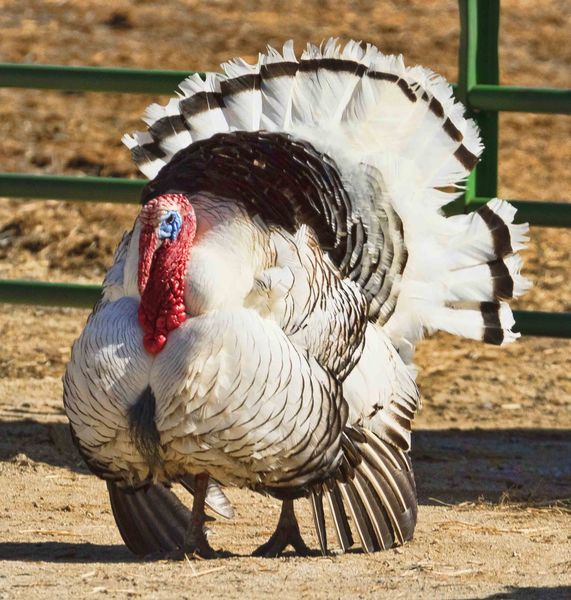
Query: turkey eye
{"points": [[170, 219]]}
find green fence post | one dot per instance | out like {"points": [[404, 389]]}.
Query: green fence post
{"points": [[479, 64]]}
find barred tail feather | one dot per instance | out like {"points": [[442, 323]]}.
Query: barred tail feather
{"points": [[489, 322], [316, 499], [146, 154], [352, 99], [486, 234], [241, 95], [497, 278], [339, 515], [459, 277], [375, 485]]}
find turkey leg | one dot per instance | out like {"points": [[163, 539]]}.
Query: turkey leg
{"points": [[195, 542], [286, 533]]}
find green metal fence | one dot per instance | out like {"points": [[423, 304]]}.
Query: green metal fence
{"points": [[478, 87]]}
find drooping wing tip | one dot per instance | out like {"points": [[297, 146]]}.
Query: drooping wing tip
{"points": [[151, 519], [216, 499]]}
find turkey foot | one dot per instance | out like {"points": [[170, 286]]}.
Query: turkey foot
{"points": [[196, 543], [286, 533]]}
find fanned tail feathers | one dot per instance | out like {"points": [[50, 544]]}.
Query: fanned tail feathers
{"points": [[403, 148], [374, 484], [362, 98]]}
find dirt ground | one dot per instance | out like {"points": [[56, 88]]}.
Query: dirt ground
{"points": [[491, 446]]}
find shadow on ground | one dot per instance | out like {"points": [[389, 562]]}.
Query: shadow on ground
{"points": [[451, 465], [529, 465], [81, 552], [562, 592], [48, 443]]}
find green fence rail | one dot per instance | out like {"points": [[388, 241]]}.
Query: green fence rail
{"points": [[81, 189], [44, 293], [76, 295], [519, 99], [128, 191], [478, 87], [90, 79]]}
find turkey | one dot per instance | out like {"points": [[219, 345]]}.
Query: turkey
{"points": [[258, 324]]}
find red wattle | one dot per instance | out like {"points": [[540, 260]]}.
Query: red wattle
{"points": [[153, 344], [161, 283]]}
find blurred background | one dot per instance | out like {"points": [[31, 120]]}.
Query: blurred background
{"points": [[514, 400]]}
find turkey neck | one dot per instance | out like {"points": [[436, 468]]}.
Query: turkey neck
{"points": [[162, 307]]}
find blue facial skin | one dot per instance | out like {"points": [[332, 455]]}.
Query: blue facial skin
{"points": [[170, 226]]}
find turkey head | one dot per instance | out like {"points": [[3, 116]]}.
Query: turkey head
{"points": [[168, 227]]}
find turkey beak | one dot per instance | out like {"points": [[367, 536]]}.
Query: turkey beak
{"points": [[148, 245]]}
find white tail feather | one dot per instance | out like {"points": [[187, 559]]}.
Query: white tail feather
{"points": [[469, 322]]}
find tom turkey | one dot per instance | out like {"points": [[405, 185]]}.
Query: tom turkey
{"points": [[258, 324]]}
